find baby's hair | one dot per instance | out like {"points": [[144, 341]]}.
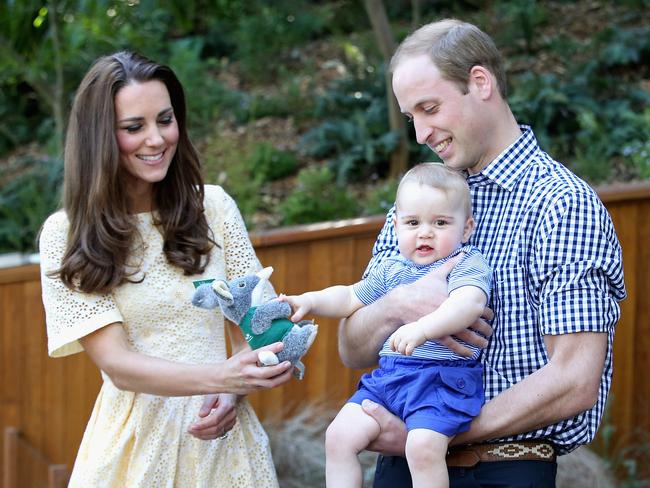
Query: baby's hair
{"points": [[440, 177]]}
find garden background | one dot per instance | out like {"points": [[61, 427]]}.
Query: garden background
{"points": [[288, 99]]}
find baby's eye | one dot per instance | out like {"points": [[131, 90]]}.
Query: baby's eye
{"points": [[412, 223], [441, 222]]}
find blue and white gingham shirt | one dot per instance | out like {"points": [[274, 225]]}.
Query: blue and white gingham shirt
{"points": [[472, 270], [557, 269]]}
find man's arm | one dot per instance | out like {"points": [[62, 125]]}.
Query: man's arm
{"points": [[463, 307], [566, 386], [362, 334]]}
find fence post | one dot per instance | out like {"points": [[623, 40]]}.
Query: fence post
{"points": [[10, 457]]}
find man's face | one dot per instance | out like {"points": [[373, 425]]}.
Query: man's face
{"points": [[445, 119]]}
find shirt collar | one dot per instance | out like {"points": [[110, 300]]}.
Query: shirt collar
{"points": [[509, 166]]}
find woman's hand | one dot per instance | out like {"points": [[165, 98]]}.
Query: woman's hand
{"points": [[218, 415], [242, 374]]}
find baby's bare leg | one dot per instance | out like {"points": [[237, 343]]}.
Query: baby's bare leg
{"points": [[348, 434], [425, 453]]}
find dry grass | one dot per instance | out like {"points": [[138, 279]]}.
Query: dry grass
{"points": [[298, 446]]}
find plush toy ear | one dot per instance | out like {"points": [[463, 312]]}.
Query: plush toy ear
{"points": [[221, 288], [265, 273]]}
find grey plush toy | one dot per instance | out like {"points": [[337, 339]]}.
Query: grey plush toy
{"points": [[261, 323]]}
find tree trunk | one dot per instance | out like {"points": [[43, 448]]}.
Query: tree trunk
{"points": [[386, 42]]}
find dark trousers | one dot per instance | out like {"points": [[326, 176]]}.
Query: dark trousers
{"points": [[393, 472]]}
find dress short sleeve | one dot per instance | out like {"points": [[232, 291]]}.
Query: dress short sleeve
{"points": [[69, 315], [230, 232]]}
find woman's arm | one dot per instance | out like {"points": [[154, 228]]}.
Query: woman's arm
{"points": [[130, 370]]}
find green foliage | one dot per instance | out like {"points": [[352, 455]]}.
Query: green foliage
{"points": [[223, 165], [268, 163], [266, 39], [354, 135], [26, 201], [525, 17], [590, 116], [629, 463], [317, 198], [381, 198]]}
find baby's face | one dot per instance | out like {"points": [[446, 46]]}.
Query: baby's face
{"points": [[429, 226]]}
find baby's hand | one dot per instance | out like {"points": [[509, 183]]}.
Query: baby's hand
{"points": [[407, 338], [300, 305]]}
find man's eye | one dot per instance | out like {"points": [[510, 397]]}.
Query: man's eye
{"points": [[430, 110]]}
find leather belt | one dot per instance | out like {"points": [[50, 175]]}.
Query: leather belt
{"points": [[470, 455]]}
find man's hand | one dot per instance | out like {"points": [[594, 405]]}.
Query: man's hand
{"points": [[476, 335], [391, 440]]}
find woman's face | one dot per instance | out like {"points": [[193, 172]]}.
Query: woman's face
{"points": [[147, 136]]}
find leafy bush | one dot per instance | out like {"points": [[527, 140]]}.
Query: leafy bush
{"points": [[381, 198], [268, 163], [26, 201], [317, 198], [588, 117], [354, 135], [269, 34]]}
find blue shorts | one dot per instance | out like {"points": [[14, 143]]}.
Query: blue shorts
{"points": [[443, 396]]}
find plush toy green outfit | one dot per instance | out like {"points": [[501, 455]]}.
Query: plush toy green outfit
{"points": [[261, 324]]}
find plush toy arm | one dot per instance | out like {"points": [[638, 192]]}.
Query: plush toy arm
{"points": [[265, 314], [205, 297]]}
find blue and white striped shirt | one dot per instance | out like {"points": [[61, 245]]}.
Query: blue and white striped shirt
{"points": [[557, 269], [472, 270]]}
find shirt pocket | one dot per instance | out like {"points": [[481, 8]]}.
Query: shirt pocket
{"points": [[511, 301]]}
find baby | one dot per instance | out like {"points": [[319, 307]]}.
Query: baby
{"points": [[436, 392]]}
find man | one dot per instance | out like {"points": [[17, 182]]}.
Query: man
{"points": [[557, 281]]}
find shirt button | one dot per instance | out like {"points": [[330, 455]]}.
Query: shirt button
{"points": [[460, 383]]}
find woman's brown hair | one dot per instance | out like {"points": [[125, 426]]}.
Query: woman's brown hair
{"points": [[102, 230]]}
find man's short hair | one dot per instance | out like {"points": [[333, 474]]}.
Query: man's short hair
{"points": [[455, 47]]}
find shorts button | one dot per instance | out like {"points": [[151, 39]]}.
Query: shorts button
{"points": [[460, 383]]}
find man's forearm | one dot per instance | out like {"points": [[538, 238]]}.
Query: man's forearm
{"points": [[362, 334], [563, 388]]}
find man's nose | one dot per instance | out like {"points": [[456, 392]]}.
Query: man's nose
{"points": [[422, 131]]}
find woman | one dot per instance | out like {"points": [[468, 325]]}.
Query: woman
{"points": [[118, 265]]}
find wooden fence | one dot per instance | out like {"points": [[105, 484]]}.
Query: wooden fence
{"points": [[46, 402]]}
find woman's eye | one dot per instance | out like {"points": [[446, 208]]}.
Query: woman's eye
{"points": [[167, 120], [132, 128]]}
